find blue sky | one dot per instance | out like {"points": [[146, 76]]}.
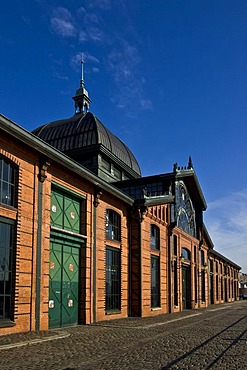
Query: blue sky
{"points": [[169, 77]]}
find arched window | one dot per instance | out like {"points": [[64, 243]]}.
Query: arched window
{"points": [[186, 254], [154, 237], [113, 225], [185, 210], [7, 182]]}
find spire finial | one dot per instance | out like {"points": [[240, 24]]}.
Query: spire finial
{"points": [[81, 97], [190, 164], [82, 71]]}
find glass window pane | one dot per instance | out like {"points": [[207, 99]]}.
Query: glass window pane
{"points": [[154, 237], [202, 257], [113, 287], [7, 183], [155, 281], [117, 174], [106, 165], [112, 225], [6, 247], [5, 172], [186, 254]]}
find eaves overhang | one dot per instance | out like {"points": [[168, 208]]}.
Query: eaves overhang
{"points": [[220, 256], [207, 236], [190, 178], [50, 152], [158, 200]]}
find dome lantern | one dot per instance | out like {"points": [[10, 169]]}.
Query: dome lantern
{"points": [[81, 98]]}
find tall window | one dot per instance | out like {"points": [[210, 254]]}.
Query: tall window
{"points": [[155, 281], [211, 265], [113, 281], [113, 222], [6, 264], [7, 183], [195, 283], [175, 245], [155, 237], [217, 287], [221, 288], [202, 258], [184, 209], [195, 253], [203, 286], [175, 275]]}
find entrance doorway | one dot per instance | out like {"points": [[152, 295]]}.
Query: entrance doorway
{"points": [[63, 283], [186, 287]]}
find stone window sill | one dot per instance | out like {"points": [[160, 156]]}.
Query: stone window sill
{"points": [[6, 323], [113, 312]]}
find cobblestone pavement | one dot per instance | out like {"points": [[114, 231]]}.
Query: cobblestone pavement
{"points": [[214, 338]]}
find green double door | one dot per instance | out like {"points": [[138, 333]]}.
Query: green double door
{"points": [[63, 283]]}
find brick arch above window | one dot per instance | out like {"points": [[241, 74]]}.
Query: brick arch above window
{"points": [[9, 157]]}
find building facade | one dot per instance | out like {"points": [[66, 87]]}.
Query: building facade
{"points": [[243, 286], [84, 237]]}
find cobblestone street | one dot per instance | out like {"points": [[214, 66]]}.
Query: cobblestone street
{"points": [[215, 338]]}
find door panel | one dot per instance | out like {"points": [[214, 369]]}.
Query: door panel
{"points": [[64, 284], [65, 211], [70, 298], [55, 285], [71, 214]]}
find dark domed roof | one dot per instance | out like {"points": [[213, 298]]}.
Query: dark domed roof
{"points": [[85, 130]]}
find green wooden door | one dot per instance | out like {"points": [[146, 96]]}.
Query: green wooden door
{"points": [[186, 287], [65, 211], [70, 285], [63, 283]]}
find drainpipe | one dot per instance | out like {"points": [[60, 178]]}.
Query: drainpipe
{"points": [[140, 246], [142, 209], [97, 195], [170, 264], [41, 176]]}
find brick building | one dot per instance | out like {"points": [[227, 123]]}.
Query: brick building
{"points": [[243, 286], [84, 237]]}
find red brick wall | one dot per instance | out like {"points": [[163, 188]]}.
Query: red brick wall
{"points": [[25, 216], [108, 202]]}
